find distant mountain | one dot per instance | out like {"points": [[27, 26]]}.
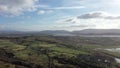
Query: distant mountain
{"points": [[9, 31], [46, 32], [62, 32], [56, 32], [98, 32]]}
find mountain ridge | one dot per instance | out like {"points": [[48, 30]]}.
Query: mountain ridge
{"points": [[64, 32]]}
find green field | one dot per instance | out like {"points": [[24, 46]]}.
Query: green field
{"points": [[57, 52]]}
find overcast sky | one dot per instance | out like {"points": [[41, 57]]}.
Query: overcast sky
{"points": [[37, 15]]}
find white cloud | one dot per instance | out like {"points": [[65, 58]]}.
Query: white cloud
{"points": [[72, 7], [16, 7], [41, 12], [93, 16], [99, 20], [44, 12], [98, 14]]}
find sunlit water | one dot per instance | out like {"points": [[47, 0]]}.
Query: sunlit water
{"points": [[114, 50], [99, 35], [117, 60]]}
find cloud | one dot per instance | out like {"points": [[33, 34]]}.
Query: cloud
{"points": [[99, 14], [97, 19], [44, 12], [72, 7], [82, 26], [16, 7], [41, 12], [72, 2]]}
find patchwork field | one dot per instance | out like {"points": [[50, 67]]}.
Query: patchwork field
{"points": [[58, 52]]}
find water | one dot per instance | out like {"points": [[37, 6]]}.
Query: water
{"points": [[99, 35], [117, 60], [114, 50]]}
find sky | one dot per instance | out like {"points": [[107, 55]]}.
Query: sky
{"points": [[38, 15]]}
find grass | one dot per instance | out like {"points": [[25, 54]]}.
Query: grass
{"points": [[45, 45], [33, 52], [57, 50], [67, 50], [11, 46]]}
